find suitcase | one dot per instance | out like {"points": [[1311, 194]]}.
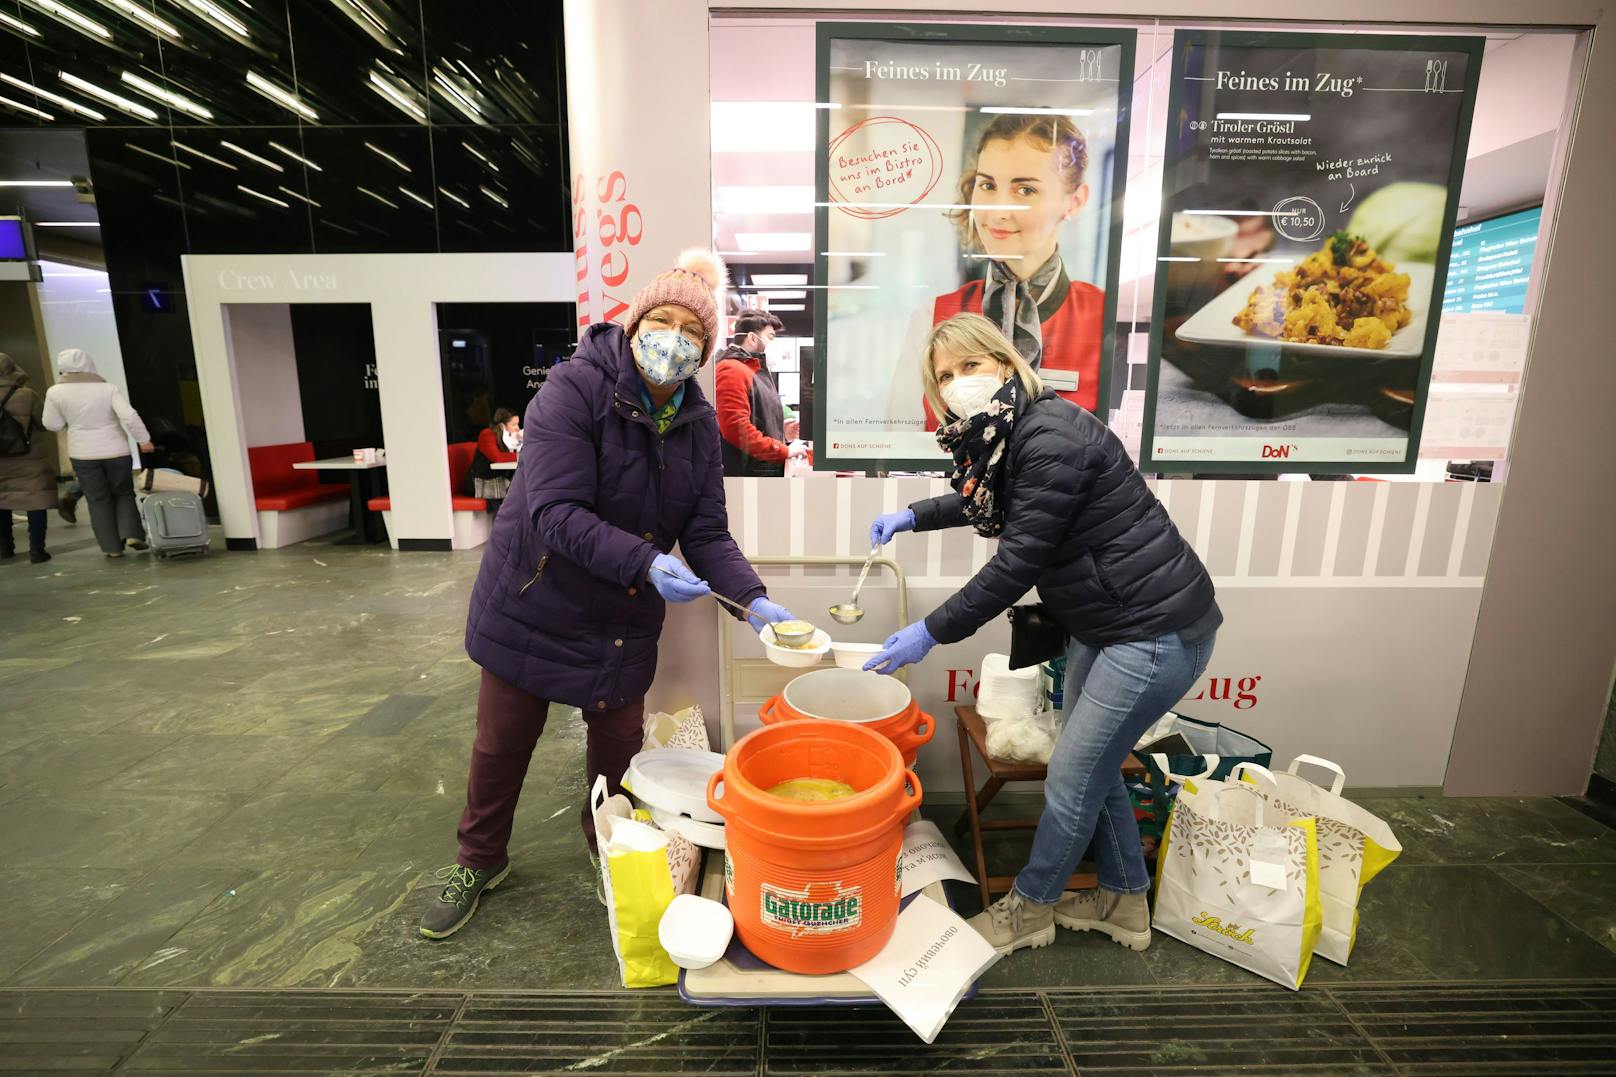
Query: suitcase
{"points": [[175, 523]]}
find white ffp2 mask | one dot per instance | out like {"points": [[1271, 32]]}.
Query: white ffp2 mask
{"points": [[968, 395]]}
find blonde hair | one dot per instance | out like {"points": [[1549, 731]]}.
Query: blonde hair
{"points": [[971, 334]]}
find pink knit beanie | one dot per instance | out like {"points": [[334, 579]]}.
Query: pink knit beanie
{"points": [[696, 283]]}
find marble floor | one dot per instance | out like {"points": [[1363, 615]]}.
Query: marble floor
{"points": [[242, 771]]}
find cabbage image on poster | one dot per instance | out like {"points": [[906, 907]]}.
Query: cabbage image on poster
{"points": [[961, 169], [1309, 192]]}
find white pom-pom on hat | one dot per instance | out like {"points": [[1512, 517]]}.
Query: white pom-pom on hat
{"points": [[705, 264]]}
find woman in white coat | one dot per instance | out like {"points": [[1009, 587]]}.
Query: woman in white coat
{"points": [[99, 424]]}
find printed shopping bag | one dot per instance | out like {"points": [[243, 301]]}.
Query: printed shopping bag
{"points": [[685, 729], [642, 869], [1239, 882], [1354, 845], [1179, 744]]}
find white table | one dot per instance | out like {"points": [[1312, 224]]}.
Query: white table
{"points": [[338, 463], [358, 516], [503, 467]]}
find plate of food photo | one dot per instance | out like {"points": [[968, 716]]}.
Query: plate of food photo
{"points": [[1343, 299]]}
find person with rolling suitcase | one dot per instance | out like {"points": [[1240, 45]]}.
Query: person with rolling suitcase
{"points": [[99, 423]]}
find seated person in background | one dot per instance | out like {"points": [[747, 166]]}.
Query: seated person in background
{"points": [[497, 444]]}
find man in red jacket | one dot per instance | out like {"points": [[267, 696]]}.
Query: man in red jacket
{"points": [[750, 416]]}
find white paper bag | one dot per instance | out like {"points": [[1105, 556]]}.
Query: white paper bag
{"points": [[642, 870], [932, 959], [1354, 845], [928, 858], [1238, 881]]}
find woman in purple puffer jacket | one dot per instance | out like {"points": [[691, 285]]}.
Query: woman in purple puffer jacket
{"points": [[621, 459]]}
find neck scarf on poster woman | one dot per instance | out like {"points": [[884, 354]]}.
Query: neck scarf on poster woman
{"points": [[1019, 307], [978, 443]]}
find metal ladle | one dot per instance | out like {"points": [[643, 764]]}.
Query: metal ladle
{"points": [[849, 612], [789, 639]]}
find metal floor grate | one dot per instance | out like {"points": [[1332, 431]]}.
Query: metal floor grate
{"points": [[1413, 1029]]}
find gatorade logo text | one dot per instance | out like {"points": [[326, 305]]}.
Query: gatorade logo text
{"points": [[821, 909]]}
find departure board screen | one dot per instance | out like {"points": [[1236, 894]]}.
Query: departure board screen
{"points": [[1491, 264]]}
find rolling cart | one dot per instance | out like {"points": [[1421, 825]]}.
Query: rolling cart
{"points": [[739, 978]]}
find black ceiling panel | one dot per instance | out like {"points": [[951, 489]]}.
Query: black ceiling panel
{"points": [[293, 125]]}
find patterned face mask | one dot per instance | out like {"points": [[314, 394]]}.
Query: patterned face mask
{"points": [[666, 356]]}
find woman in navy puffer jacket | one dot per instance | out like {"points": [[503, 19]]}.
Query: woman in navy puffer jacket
{"points": [[622, 459], [1075, 520]]}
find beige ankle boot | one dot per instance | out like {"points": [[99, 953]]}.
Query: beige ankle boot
{"points": [[1012, 924], [1124, 917]]}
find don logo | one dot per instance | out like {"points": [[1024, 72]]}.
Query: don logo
{"points": [[1277, 452], [819, 909]]}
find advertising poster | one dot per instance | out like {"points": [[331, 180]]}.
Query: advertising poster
{"points": [[961, 169], [1310, 187]]}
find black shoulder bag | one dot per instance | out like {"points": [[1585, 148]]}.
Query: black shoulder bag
{"points": [[1035, 636]]}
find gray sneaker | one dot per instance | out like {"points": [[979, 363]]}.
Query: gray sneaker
{"points": [[600, 885], [1124, 917], [1013, 923], [457, 901]]}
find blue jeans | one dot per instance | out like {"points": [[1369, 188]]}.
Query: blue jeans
{"points": [[36, 532], [1113, 694]]}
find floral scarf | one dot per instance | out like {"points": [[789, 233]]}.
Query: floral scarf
{"points": [[978, 443]]}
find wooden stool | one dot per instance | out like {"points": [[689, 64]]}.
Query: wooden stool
{"points": [[974, 732]]}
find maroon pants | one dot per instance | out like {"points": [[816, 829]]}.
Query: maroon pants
{"points": [[509, 722]]}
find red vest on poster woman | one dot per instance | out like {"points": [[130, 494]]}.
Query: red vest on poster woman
{"points": [[1072, 338]]}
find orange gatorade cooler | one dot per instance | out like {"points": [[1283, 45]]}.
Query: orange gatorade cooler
{"points": [[814, 886], [872, 700]]}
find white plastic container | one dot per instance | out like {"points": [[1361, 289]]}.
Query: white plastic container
{"points": [[795, 657], [1008, 693], [695, 931], [675, 780], [854, 655]]}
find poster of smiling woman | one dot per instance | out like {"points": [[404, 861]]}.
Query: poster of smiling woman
{"points": [[961, 169]]}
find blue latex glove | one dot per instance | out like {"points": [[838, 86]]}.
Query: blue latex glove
{"points": [[904, 647], [765, 612], [674, 581], [888, 525]]}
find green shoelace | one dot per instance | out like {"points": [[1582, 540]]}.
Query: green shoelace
{"points": [[461, 882]]}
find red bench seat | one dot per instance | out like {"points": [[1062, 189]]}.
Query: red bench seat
{"points": [[298, 499], [460, 455], [278, 487]]}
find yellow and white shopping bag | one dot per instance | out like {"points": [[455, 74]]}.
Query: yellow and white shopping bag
{"points": [[1239, 882], [1354, 845], [642, 869]]}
